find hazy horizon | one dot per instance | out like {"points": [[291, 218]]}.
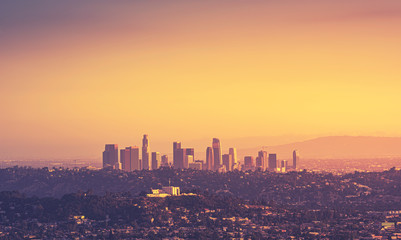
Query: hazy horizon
{"points": [[319, 147]]}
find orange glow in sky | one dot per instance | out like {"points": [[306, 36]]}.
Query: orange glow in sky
{"points": [[74, 76]]}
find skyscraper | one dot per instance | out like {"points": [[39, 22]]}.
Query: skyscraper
{"points": [[155, 160], [176, 146], [135, 162], [233, 153], [125, 160], [216, 153], [295, 158], [110, 156], [190, 152], [188, 159], [129, 158], [209, 158], [261, 161], [272, 161], [228, 162], [248, 163], [180, 158], [145, 153], [164, 162]]}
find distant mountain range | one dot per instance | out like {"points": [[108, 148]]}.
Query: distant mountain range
{"points": [[335, 147]]}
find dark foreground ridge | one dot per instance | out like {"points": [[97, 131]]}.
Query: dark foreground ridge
{"points": [[257, 205]]}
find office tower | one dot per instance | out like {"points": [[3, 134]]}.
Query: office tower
{"points": [[284, 165], [186, 158], [135, 161], [110, 156], [125, 160], [248, 163], [180, 159], [190, 152], [272, 161], [176, 146], [189, 159], [129, 158], [216, 153], [164, 161], [228, 162], [295, 158], [145, 153], [261, 160], [155, 160], [259, 163], [209, 159], [233, 153]]}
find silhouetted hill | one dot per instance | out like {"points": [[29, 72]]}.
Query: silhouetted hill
{"points": [[336, 147]]}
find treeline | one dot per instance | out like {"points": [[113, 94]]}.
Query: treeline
{"points": [[374, 191], [110, 207], [18, 207]]}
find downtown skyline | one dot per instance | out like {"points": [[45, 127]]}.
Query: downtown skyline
{"points": [[184, 158]]}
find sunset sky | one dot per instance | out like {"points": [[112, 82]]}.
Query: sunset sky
{"points": [[75, 75]]}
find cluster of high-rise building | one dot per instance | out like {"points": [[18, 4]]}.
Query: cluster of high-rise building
{"points": [[217, 161], [130, 159], [265, 161], [185, 158]]}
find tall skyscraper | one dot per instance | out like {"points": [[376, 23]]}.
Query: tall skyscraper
{"points": [[180, 160], [248, 163], [188, 159], [233, 153], [216, 153], [155, 160], [259, 163], [125, 160], [228, 162], [272, 161], [295, 158], [190, 152], [110, 156], [262, 160], [164, 162], [129, 158], [209, 158], [135, 162], [145, 153], [176, 146]]}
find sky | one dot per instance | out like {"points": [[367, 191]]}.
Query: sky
{"points": [[75, 75]]}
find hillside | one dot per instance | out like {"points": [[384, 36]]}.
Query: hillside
{"points": [[336, 147]]}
